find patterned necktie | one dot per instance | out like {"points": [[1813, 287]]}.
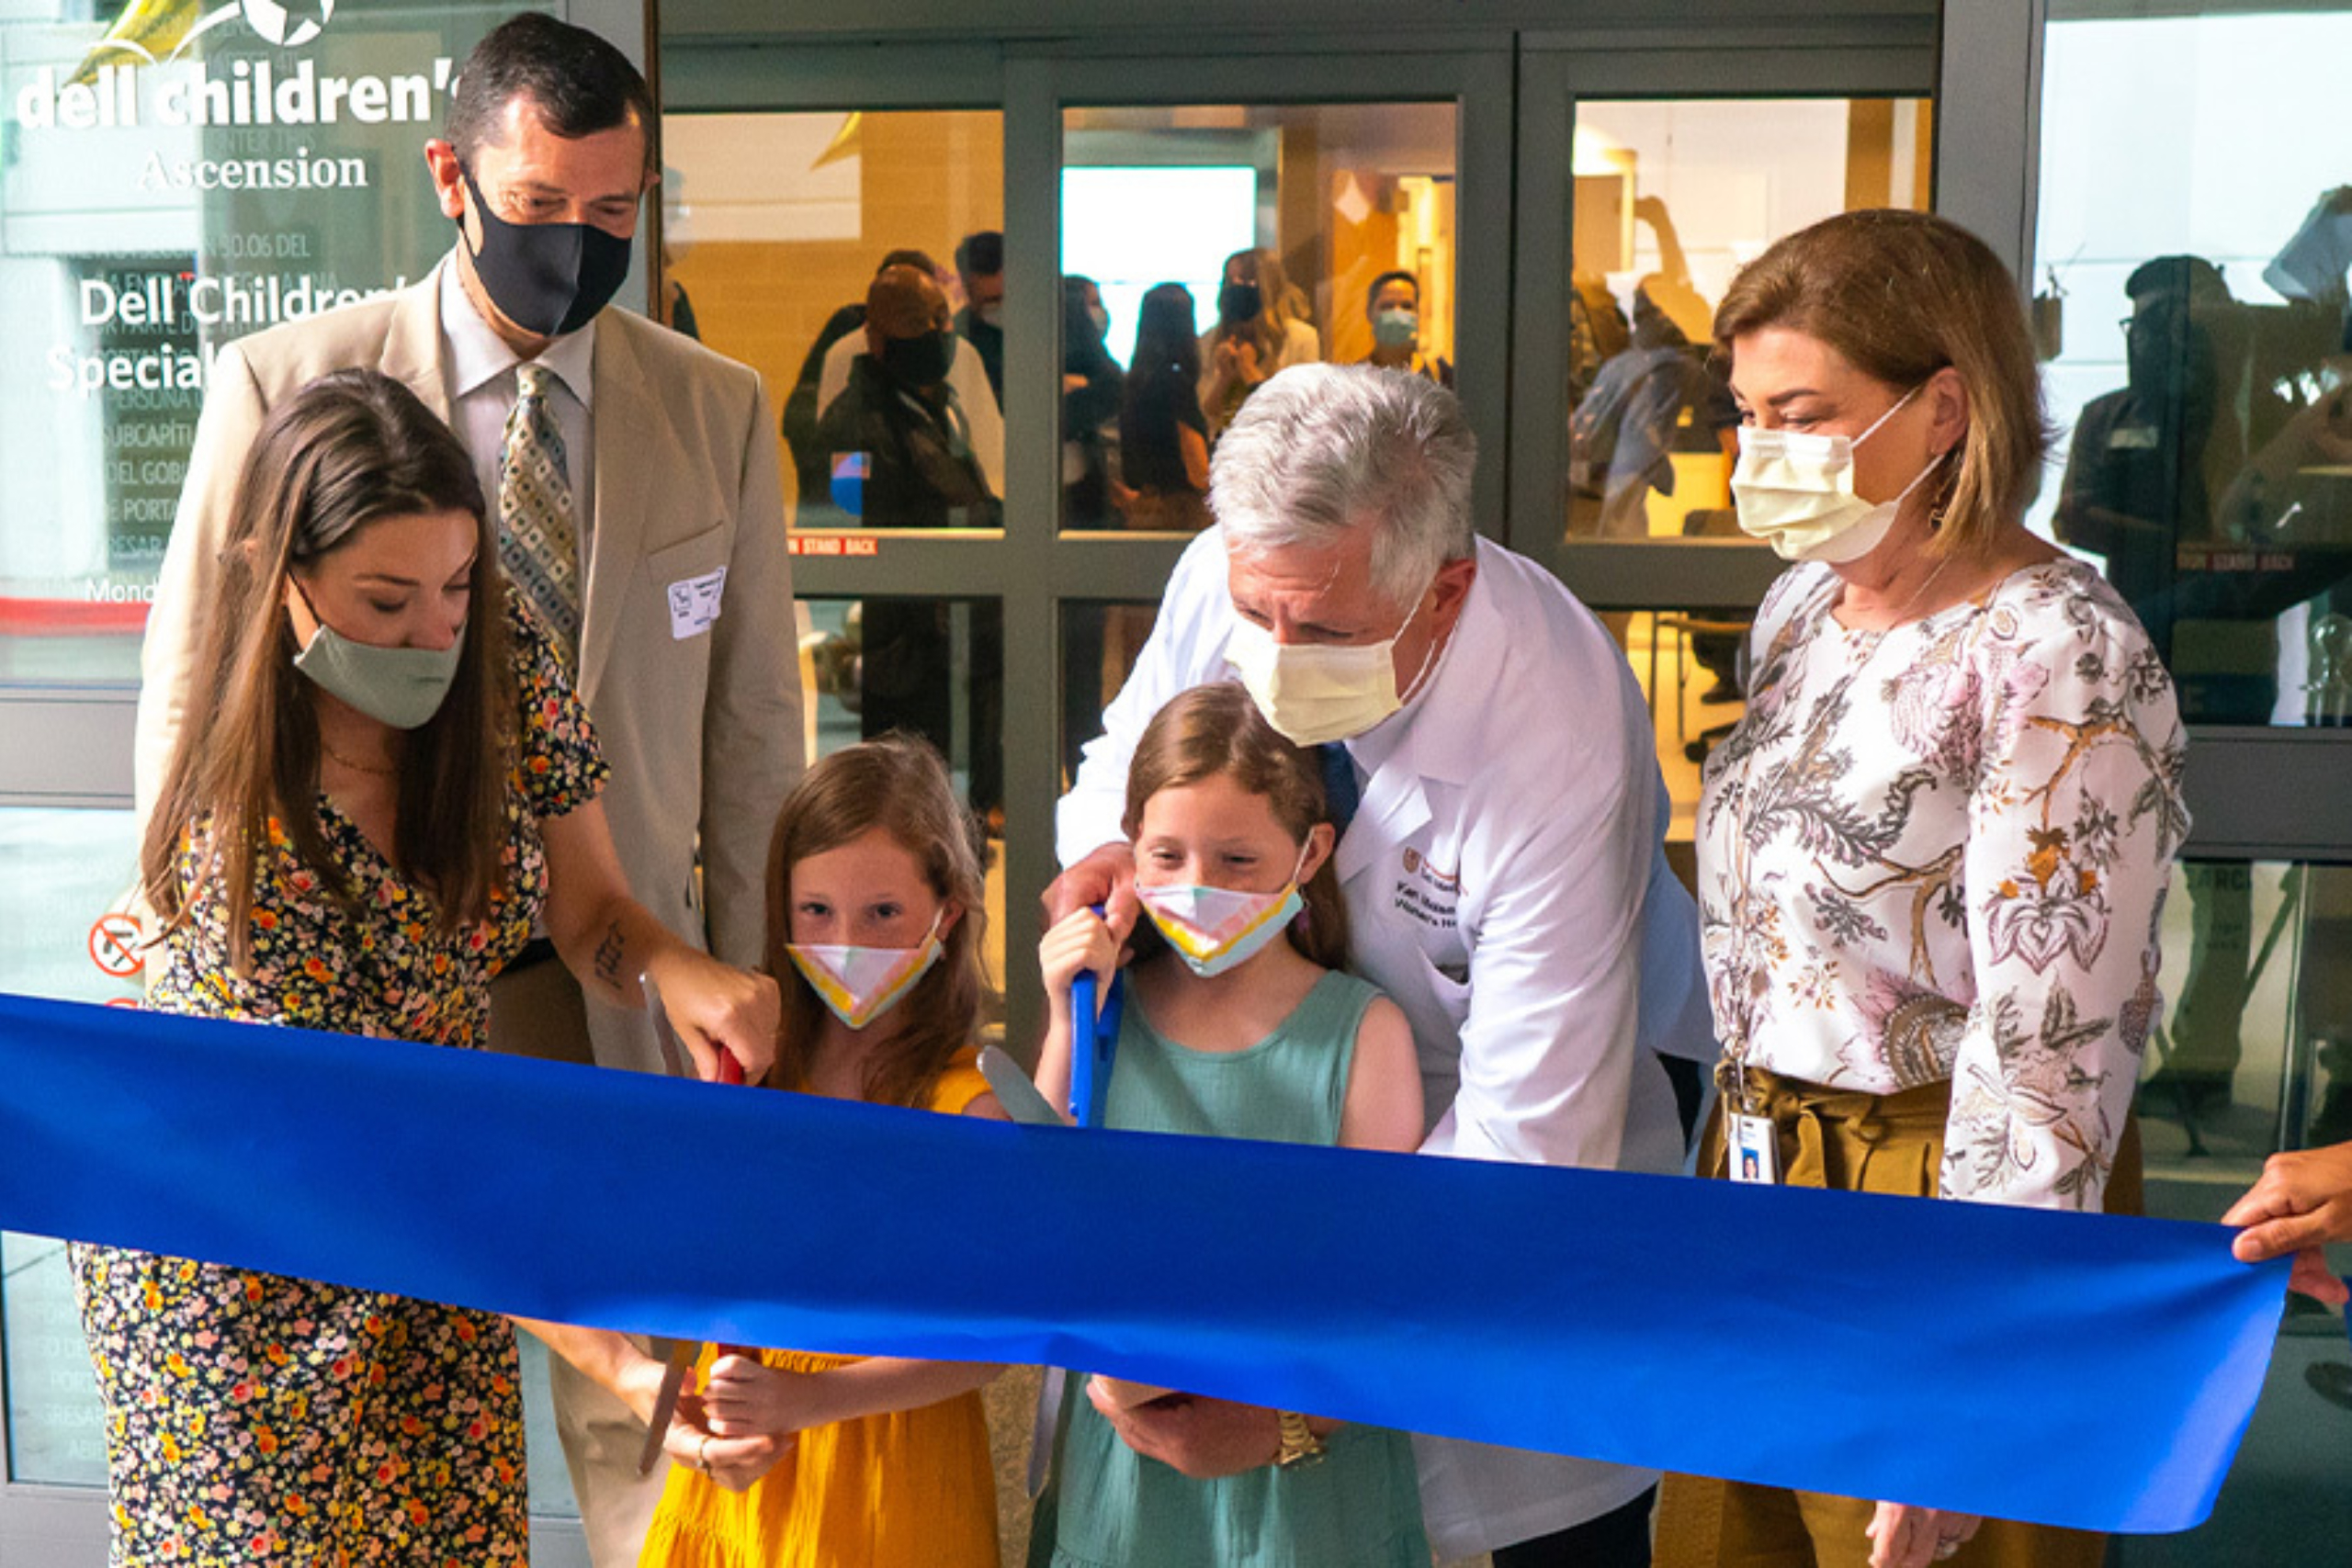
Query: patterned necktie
{"points": [[1341, 793], [537, 541]]}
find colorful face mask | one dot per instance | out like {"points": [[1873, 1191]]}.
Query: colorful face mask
{"points": [[861, 984], [1215, 929]]}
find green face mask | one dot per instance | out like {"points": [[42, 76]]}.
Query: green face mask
{"points": [[400, 686]]}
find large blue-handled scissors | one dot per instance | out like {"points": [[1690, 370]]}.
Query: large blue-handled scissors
{"points": [[1094, 1042]]}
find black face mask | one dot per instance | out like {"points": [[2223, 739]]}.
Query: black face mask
{"points": [[549, 278], [919, 361], [1237, 304]]}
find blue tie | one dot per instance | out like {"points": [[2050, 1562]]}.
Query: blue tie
{"points": [[1341, 791]]}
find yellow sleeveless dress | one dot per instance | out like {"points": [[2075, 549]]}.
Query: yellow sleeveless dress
{"points": [[912, 1489]]}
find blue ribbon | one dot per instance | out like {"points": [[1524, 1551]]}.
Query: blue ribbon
{"points": [[2064, 1369]]}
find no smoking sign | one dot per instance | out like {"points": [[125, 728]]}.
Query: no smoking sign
{"points": [[114, 945]]}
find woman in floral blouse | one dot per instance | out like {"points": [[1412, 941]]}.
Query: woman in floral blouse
{"points": [[1933, 853], [386, 781]]}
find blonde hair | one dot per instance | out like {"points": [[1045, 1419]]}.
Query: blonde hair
{"points": [[899, 784], [1217, 730], [1902, 295]]}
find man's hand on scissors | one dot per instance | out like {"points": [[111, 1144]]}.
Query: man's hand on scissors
{"points": [[717, 1007]]}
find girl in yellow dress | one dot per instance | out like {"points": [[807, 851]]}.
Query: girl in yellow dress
{"points": [[874, 899]]}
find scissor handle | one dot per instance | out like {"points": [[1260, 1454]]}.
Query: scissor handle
{"points": [[1094, 1042], [729, 1069]]}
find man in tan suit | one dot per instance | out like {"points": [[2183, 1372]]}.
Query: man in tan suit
{"points": [[640, 515]]}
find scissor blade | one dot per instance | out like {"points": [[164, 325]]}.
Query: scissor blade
{"points": [[674, 1055], [665, 1404], [1015, 1093]]}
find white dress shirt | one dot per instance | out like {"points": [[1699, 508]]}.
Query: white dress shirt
{"points": [[481, 387], [1507, 886]]}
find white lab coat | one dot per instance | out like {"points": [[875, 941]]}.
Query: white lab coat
{"points": [[1507, 886]]}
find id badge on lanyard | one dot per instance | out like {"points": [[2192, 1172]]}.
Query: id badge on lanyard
{"points": [[1753, 1150]]}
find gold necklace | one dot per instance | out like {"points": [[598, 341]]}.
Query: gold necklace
{"points": [[391, 772], [1905, 608]]}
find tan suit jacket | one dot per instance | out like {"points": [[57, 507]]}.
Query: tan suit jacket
{"points": [[703, 732]]}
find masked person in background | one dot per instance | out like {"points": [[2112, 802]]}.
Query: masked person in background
{"points": [[584, 421], [901, 456], [1933, 852], [1261, 328], [1393, 306], [1491, 777]]}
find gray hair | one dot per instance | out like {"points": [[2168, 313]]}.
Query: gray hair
{"points": [[1323, 448]]}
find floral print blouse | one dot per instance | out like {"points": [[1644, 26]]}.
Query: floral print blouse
{"points": [[1940, 853], [383, 966]]}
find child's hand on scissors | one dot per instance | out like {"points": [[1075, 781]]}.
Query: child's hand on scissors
{"points": [[744, 1396], [1078, 943], [736, 1462]]}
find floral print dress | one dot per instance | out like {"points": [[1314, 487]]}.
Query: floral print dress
{"points": [[257, 1418], [1939, 854]]}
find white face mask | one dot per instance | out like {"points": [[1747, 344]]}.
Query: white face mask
{"points": [[1215, 929], [861, 984], [1313, 692], [1796, 492]]}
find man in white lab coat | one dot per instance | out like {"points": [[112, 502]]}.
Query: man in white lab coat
{"points": [[1503, 871]]}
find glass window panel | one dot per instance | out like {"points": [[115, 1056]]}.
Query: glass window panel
{"points": [[2194, 232], [1312, 205], [154, 213], [1689, 662], [775, 228], [1100, 643], [2254, 1053], [1672, 197], [59, 871]]}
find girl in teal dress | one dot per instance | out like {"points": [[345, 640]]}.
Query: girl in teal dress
{"points": [[1230, 1031]]}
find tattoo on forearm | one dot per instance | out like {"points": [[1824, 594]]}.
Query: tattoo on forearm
{"points": [[608, 955]]}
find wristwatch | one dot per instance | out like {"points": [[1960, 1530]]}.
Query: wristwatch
{"points": [[1300, 1446]]}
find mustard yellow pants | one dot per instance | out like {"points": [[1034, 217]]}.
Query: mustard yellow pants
{"points": [[1853, 1143]]}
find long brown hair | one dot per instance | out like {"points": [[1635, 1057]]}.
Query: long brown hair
{"points": [[899, 784], [1279, 304], [346, 451], [1216, 730], [1902, 295]]}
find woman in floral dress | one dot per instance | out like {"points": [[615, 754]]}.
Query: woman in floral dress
{"points": [[387, 782], [1933, 853]]}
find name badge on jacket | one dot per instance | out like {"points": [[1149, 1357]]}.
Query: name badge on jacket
{"points": [[694, 604], [1428, 894]]}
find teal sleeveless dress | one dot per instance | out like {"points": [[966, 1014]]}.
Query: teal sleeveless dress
{"points": [[1108, 1506]]}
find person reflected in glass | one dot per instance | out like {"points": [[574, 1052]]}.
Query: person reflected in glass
{"points": [[1659, 396], [901, 456], [898, 440], [1092, 388], [395, 780], [1163, 435], [809, 398], [979, 272], [1393, 306], [2144, 474], [967, 378], [1933, 853], [1262, 326]]}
